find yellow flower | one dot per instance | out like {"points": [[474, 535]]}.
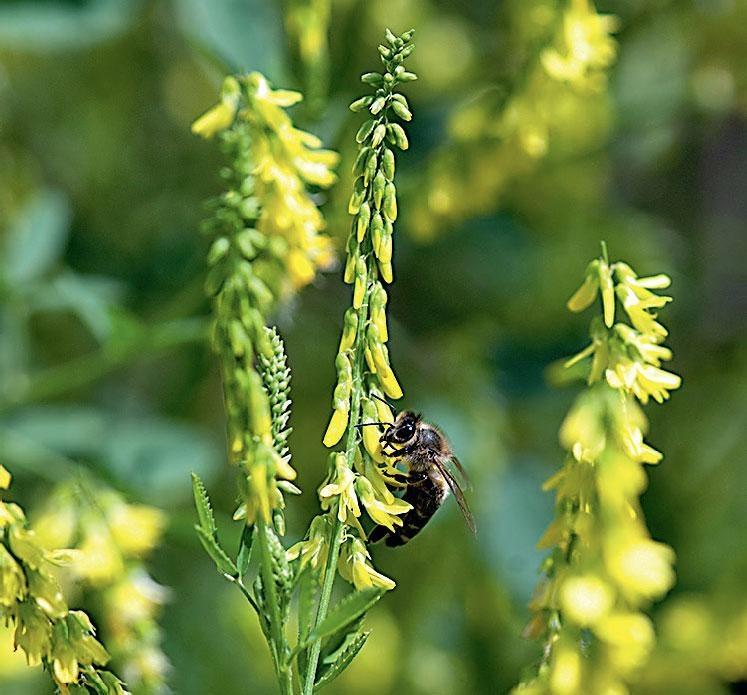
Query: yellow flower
{"points": [[222, 115], [132, 600], [136, 528], [342, 487], [336, 428], [630, 638], [380, 510], [33, 632], [565, 674], [637, 310], [641, 567], [4, 478], [354, 567], [100, 562], [587, 47], [46, 591], [315, 549], [12, 579], [586, 598]]}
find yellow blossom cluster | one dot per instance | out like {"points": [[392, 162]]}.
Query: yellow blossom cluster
{"points": [[31, 600], [360, 477], [111, 539], [604, 567], [267, 244], [495, 139]]}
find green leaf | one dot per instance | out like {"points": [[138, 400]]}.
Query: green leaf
{"points": [[337, 640], [344, 658], [346, 611], [37, 238], [213, 548], [204, 510]]}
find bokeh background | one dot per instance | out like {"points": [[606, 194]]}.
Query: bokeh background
{"points": [[105, 374]]}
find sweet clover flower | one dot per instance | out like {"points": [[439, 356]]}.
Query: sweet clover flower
{"points": [[110, 539], [267, 244], [604, 568], [31, 601], [496, 140]]}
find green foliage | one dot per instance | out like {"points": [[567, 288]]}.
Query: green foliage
{"points": [[524, 153]]}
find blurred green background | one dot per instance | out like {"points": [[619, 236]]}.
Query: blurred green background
{"points": [[103, 362]]}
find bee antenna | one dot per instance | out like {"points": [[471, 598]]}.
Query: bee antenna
{"points": [[366, 424], [379, 398]]}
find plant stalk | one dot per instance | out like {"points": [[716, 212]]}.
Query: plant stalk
{"points": [[352, 443], [278, 644]]}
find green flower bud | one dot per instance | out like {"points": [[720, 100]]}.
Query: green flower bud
{"points": [[379, 186], [390, 202], [402, 111], [387, 163], [378, 135], [360, 104], [364, 131], [364, 217]]}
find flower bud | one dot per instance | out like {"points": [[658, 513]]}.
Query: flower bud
{"points": [[387, 163], [398, 135], [364, 217], [361, 277], [379, 187], [349, 329], [390, 201], [378, 135]]}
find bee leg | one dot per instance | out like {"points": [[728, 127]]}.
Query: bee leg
{"points": [[416, 478], [404, 451]]}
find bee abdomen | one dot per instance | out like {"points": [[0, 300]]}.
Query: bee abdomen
{"points": [[425, 497]]}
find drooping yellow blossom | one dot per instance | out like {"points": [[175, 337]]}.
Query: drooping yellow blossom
{"points": [[312, 551], [112, 539], [32, 602], [604, 568], [556, 100], [354, 566], [586, 49], [267, 245]]}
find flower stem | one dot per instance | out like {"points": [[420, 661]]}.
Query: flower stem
{"points": [[278, 644], [336, 534]]}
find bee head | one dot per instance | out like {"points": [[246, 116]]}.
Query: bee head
{"points": [[403, 430]]}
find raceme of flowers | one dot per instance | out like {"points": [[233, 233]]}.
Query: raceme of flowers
{"points": [[31, 600], [111, 540], [360, 477], [267, 244], [561, 94], [604, 568]]}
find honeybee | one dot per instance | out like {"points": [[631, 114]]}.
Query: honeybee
{"points": [[427, 454]]}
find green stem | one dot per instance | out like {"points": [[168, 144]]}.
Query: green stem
{"points": [[352, 443], [278, 644]]}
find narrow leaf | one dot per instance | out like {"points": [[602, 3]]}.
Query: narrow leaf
{"points": [[346, 611], [344, 659], [202, 502], [213, 548]]}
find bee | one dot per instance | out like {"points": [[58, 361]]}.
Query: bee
{"points": [[429, 480]]}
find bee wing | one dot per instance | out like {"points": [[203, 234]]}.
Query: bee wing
{"points": [[462, 472], [458, 494]]}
